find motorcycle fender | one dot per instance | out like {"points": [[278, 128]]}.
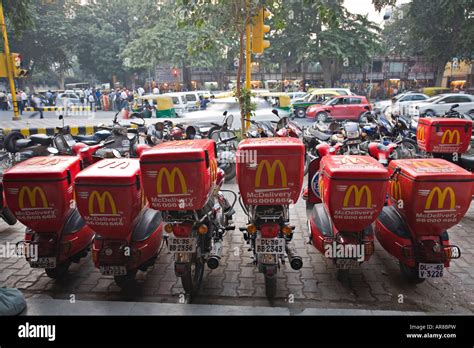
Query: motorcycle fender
{"points": [[320, 227]]}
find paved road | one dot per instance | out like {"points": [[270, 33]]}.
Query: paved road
{"points": [[377, 285], [212, 114]]}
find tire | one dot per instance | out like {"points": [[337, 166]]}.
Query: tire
{"points": [[59, 271], [322, 116], [8, 216], [10, 141], [126, 281], [405, 147], [300, 113], [212, 130], [410, 274], [430, 113], [306, 163], [270, 286], [192, 279]]}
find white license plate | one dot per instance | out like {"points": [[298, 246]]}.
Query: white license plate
{"points": [[352, 142], [430, 270], [113, 270], [182, 245], [347, 263], [44, 262], [270, 246]]}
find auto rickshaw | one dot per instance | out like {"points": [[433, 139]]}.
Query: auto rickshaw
{"points": [[280, 101], [162, 104]]}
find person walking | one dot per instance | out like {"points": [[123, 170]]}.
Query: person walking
{"points": [[37, 105], [91, 101], [24, 99], [19, 102]]}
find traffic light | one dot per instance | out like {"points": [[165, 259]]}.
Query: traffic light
{"points": [[175, 72], [17, 65], [259, 29]]}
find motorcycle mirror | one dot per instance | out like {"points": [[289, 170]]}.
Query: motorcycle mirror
{"points": [[52, 150], [60, 117], [454, 106], [229, 120], [367, 107], [275, 112], [116, 153], [224, 113]]}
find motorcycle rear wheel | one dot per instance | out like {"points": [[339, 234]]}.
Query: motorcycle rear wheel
{"points": [[410, 274], [192, 279], [127, 280], [270, 286], [59, 271]]}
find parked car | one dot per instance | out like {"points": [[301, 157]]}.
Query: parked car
{"points": [[401, 100], [340, 108], [401, 106], [439, 104], [67, 99], [299, 106]]}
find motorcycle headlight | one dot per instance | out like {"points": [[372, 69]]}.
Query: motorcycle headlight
{"points": [[353, 134]]}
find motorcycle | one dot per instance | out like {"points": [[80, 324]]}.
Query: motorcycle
{"points": [[413, 226], [182, 180], [35, 145], [129, 234], [5, 213], [352, 190], [266, 200], [226, 147], [39, 192]]}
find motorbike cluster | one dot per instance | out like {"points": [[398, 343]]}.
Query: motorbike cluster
{"points": [[124, 202]]}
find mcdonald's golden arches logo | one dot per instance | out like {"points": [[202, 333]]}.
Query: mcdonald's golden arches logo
{"points": [[271, 170], [353, 160], [101, 198], [450, 135], [32, 194], [395, 190], [442, 195], [358, 192], [420, 133], [171, 180], [213, 169], [426, 164]]}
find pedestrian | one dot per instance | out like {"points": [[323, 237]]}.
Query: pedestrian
{"points": [[140, 91], [9, 101], [19, 102], [24, 99], [91, 101], [123, 99], [156, 90], [49, 97], [98, 95], [3, 100], [37, 105]]}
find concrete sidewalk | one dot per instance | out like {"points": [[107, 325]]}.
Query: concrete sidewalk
{"points": [[44, 306]]}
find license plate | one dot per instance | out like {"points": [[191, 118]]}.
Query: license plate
{"points": [[44, 262], [270, 246], [430, 270], [182, 245], [347, 263], [352, 142], [113, 270]]}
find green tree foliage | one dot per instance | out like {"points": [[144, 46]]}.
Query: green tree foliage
{"points": [[437, 30], [18, 14]]}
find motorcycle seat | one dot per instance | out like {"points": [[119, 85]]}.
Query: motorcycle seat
{"points": [[23, 143], [320, 135], [467, 162], [89, 142], [148, 222], [74, 223], [391, 219], [83, 138], [41, 139], [321, 220]]}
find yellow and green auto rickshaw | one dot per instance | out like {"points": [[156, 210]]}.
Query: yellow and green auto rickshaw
{"points": [[280, 101], [432, 91], [162, 104]]}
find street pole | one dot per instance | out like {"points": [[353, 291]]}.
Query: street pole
{"points": [[248, 72], [9, 66]]}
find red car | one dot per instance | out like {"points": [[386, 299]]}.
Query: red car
{"points": [[346, 107]]}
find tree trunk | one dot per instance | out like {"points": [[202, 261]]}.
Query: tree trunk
{"points": [[327, 72], [439, 74], [239, 73]]}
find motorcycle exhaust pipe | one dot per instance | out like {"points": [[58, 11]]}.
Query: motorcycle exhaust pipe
{"points": [[215, 255], [296, 262]]}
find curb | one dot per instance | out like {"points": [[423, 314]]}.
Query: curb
{"points": [[47, 306], [75, 130], [59, 108]]}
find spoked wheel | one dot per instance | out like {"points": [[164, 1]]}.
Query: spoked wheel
{"points": [[270, 286], [126, 281], [192, 279], [407, 149], [411, 274], [59, 271]]}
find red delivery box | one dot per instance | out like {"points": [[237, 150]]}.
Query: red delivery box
{"points": [[270, 171], [431, 194], [353, 189], [39, 191], [109, 196], [179, 175], [444, 135]]}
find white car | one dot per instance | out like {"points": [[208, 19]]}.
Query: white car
{"points": [[180, 104], [67, 99], [401, 102], [438, 105]]}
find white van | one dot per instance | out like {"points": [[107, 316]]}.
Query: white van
{"points": [[180, 103]]}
